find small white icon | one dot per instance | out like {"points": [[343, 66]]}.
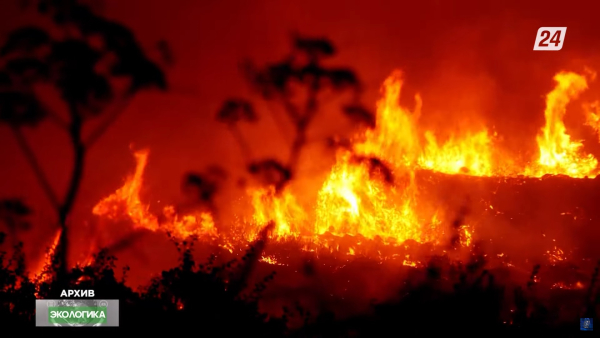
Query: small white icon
{"points": [[103, 303], [550, 38], [50, 303]]}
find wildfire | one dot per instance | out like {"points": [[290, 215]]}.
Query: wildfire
{"points": [[351, 202], [398, 139], [395, 136], [465, 236], [556, 255], [471, 155], [281, 208], [371, 192], [560, 285], [270, 260], [47, 261], [126, 202], [593, 117], [558, 153]]}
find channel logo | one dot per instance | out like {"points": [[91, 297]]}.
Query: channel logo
{"points": [[550, 38], [76, 312]]}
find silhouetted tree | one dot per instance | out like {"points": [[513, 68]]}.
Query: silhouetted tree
{"points": [[82, 56], [233, 112], [200, 188], [300, 83]]}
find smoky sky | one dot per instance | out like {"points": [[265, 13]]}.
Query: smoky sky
{"points": [[470, 61]]}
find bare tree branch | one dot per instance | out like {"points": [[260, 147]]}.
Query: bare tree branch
{"points": [[59, 121], [55, 118], [244, 147], [290, 109], [278, 121], [302, 126], [66, 206], [109, 121], [35, 165]]}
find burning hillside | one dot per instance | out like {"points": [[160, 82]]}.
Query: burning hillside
{"points": [[373, 193]]}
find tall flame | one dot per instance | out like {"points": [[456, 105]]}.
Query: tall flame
{"points": [[397, 139], [354, 201], [351, 202], [282, 208], [558, 153], [395, 136], [126, 202]]}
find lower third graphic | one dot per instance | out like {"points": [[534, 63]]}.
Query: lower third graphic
{"points": [[76, 312]]}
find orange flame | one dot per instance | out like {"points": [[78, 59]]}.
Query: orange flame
{"points": [[396, 138], [558, 153], [126, 202], [593, 116], [47, 260], [470, 155], [281, 208], [128, 197], [353, 201]]}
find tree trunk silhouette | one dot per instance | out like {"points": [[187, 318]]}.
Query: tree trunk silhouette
{"points": [[35, 166], [69, 62], [302, 124], [72, 190]]}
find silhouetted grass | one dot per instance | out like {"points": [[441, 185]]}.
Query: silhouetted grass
{"points": [[214, 300]]}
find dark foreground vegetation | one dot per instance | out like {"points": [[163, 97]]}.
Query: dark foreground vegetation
{"points": [[214, 300]]}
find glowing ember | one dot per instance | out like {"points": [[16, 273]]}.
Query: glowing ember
{"points": [[270, 260], [561, 285], [409, 262], [555, 255]]}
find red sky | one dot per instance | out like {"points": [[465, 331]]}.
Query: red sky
{"points": [[467, 58]]}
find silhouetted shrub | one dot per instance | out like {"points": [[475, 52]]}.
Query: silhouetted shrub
{"points": [[213, 299], [185, 296]]}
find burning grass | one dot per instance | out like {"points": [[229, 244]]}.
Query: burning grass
{"points": [[373, 191], [384, 208]]}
